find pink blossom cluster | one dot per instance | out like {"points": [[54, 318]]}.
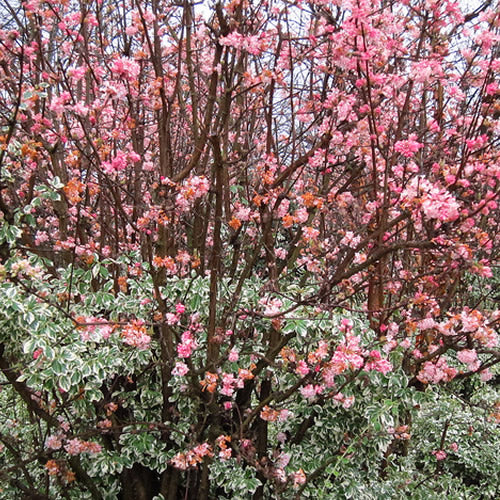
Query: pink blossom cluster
{"points": [[120, 162], [135, 334], [350, 240], [422, 71], [299, 478], [54, 442], [233, 355], [76, 446], [242, 212], [409, 147], [439, 204], [439, 454], [470, 321], [435, 201], [125, 67], [345, 401], [105, 424], [400, 432], [319, 354], [302, 369], [37, 353], [272, 415], [224, 449], [95, 329], [229, 382], [486, 375], [436, 372], [253, 44], [348, 355], [272, 306], [469, 357], [58, 103], [23, 267], [193, 457], [310, 234], [187, 345], [283, 460], [310, 391], [180, 369], [195, 187], [375, 362]]}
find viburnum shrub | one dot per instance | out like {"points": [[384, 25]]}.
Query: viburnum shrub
{"points": [[249, 249]]}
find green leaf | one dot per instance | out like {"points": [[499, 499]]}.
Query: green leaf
{"points": [[65, 383]]}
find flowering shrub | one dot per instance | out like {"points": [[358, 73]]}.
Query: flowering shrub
{"points": [[249, 250]]}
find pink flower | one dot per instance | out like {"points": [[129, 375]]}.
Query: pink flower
{"points": [[180, 308], [301, 215], [53, 442], [281, 437], [105, 424], [272, 306], [467, 356], [436, 372], [80, 109], [308, 391], [329, 377], [192, 457], [285, 415], [350, 240], [378, 364], [436, 202], [302, 368], [426, 324], [299, 478], [486, 375], [57, 104], [384, 366], [135, 335], [310, 233], [251, 43], [74, 446], [64, 425], [195, 187], [172, 319], [408, 148], [405, 344], [225, 454], [280, 474], [348, 402], [440, 205], [184, 350], [471, 321], [228, 383], [346, 324], [233, 355], [180, 369], [283, 460], [105, 331], [440, 454], [126, 68]]}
